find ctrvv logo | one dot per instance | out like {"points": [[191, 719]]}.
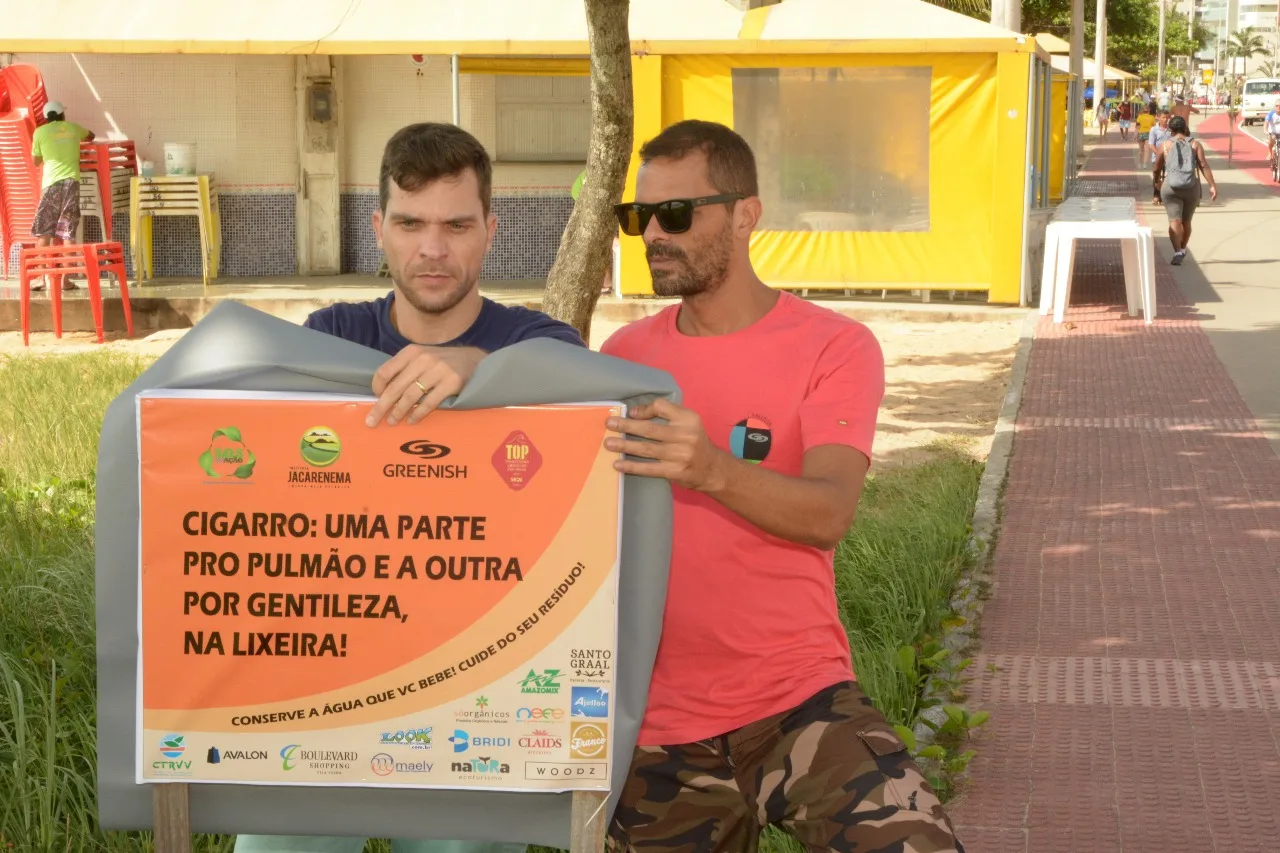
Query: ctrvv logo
{"points": [[460, 740], [591, 702]]}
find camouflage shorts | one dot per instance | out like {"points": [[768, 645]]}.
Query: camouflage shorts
{"points": [[831, 772]]}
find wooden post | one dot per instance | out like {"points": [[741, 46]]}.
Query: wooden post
{"points": [[587, 822], [171, 817]]}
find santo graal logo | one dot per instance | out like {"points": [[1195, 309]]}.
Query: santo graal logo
{"points": [[320, 447], [227, 456], [548, 681]]}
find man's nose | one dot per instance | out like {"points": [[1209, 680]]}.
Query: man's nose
{"points": [[433, 243]]}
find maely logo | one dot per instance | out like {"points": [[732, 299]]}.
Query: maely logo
{"points": [[227, 455], [424, 449], [382, 764], [320, 447], [547, 682], [588, 740]]}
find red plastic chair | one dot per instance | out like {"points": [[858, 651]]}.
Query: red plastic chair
{"points": [[88, 259], [102, 158]]}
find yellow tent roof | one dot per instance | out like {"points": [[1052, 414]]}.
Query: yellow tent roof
{"points": [[1052, 43], [1063, 64], [488, 27]]}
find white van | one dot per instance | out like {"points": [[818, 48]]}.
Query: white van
{"points": [[1259, 98]]}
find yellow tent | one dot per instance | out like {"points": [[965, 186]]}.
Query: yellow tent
{"points": [[894, 137]]}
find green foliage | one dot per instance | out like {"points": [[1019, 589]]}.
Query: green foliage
{"points": [[1133, 29]]}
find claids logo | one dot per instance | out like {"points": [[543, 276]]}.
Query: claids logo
{"points": [[540, 739], [588, 740], [546, 682], [227, 456]]}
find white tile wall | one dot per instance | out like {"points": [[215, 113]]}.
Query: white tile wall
{"points": [[239, 110], [382, 94]]}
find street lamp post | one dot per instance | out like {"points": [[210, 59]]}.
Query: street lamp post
{"points": [[1100, 56], [1160, 54]]}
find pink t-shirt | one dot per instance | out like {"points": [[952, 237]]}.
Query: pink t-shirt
{"points": [[751, 626]]}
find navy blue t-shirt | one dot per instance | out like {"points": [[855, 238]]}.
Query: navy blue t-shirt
{"points": [[497, 326]]}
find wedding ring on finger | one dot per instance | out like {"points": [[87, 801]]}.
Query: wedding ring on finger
{"points": [[422, 389]]}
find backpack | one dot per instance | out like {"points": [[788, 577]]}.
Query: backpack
{"points": [[1180, 164]]}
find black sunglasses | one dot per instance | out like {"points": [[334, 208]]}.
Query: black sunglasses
{"points": [[675, 216]]}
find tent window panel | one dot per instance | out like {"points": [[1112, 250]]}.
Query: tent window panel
{"points": [[838, 149], [542, 118]]}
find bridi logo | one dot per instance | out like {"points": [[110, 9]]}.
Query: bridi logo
{"points": [[424, 449]]}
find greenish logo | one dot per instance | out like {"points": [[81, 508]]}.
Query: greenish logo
{"points": [[321, 447], [227, 455]]}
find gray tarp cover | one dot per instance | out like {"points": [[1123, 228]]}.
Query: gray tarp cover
{"points": [[239, 348]]}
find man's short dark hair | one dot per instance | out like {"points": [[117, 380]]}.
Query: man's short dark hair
{"points": [[55, 117], [731, 166], [422, 153], [1178, 126]]}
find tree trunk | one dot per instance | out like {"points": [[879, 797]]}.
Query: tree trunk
{"points": [[586, 249]]}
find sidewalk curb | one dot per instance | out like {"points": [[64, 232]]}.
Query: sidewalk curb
{"points": [[968, 598]]}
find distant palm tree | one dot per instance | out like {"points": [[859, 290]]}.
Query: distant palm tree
{"points": [[1245, 44]]}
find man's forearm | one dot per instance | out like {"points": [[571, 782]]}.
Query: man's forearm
{"points": [[798, 509]]}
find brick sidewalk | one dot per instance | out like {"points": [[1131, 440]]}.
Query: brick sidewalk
{"points": [[1131, 646]]}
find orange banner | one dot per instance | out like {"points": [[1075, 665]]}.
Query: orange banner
{"points": [[413, 606]]}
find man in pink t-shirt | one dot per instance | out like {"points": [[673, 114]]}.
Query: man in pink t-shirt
{"points": [[754, 717]]}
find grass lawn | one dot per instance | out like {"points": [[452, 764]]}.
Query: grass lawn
{"points": [[895, 571]]}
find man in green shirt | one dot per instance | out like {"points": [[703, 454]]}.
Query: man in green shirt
{"points": [[55, 148]]}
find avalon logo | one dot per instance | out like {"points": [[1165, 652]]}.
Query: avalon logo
{"points": [[424, 449]]}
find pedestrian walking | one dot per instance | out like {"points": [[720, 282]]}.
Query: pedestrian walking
{"points": [[1180, 162], [1146, 120], [1126, 119]]}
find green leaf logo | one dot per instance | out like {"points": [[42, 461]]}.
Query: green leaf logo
{"points": [[227, 456]]}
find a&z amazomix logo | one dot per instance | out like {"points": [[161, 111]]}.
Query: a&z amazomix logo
{"points": [[591, 702], [227, 457], [548, 681]]}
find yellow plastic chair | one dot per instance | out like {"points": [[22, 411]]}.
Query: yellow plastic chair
{"points": [[174, 195]]}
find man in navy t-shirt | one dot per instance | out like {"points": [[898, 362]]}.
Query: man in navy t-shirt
{"points": [[435, 226]]}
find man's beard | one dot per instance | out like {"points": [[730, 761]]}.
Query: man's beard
{"points": [[436, 303], [702, 274]]}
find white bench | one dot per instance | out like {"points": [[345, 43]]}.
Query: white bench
{"points": [[1098, 219]]}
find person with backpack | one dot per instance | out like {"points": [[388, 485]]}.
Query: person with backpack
{"points": [[1180, 160]]}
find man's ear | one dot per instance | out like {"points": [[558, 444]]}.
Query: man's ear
{"points": [[491, 225], [747, 214], [377, 227]]}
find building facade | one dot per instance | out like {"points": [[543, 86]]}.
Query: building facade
{"points": [[241, 112]]}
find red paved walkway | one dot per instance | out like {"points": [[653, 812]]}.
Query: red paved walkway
{"points": [[1131, 647]]}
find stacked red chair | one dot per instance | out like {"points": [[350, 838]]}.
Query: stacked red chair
{"points": [[22, 100], [105, 170], [91, 260]]}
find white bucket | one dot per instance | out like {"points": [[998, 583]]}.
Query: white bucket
{"points": [[180, 158]]}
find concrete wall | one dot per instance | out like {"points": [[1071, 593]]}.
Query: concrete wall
{"points": [[241, 113]]}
